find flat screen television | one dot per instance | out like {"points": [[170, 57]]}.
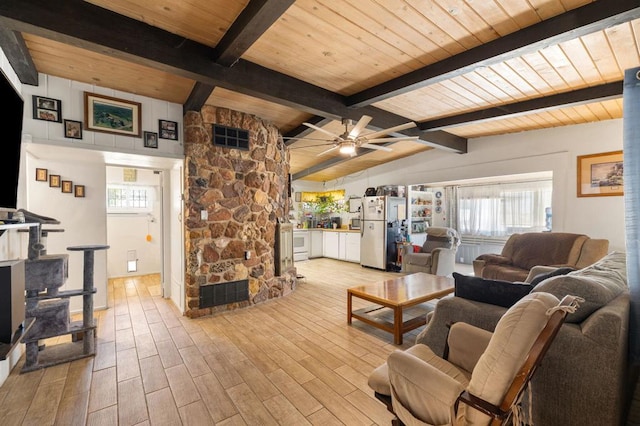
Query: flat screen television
{"points": [[10, 141]]}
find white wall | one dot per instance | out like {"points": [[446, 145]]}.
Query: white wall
{"points": [[553, 150], [128, 231], [71, 95], [83, 219]]}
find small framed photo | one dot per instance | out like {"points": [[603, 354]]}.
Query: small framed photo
{"points": [[47, 109], [168, 129], [150, 140], [78, 191], [72, 129], [41, 175], [54, 181], [67, 186], [600, 174]]}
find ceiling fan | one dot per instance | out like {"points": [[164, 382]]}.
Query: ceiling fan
{"points": [[348, 142]]}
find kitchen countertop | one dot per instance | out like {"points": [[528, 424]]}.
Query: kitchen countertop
{"points": [[327, 229]]}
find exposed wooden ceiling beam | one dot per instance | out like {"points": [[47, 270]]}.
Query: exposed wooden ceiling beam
{"points": [[331, 162], [18, 55], [198, 97], [587, 19], [149, 46], [255, 19], [599, 93]]}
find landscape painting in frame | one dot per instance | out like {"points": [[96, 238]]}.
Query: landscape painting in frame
{"points": [[112, 115], [600, 174]]}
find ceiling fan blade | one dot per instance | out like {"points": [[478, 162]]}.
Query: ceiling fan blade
{"points": [[390, 130], [328, 150], [310, 146], [320, 129], [393, 139], [381, 148], [302, 138], [360, 125]]}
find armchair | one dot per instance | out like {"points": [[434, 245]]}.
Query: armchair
{"points": [[482, 375], [437, 255]]}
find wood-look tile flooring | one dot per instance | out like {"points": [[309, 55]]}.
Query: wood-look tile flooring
{"points": [[289, 361]]}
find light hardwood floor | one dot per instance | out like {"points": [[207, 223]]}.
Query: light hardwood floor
{"points": [[289, 361]]}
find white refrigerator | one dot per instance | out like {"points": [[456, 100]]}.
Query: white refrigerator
{"points": [[379, 230]]}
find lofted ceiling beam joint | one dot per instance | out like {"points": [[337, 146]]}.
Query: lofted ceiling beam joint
{"points": [[256, 18]]}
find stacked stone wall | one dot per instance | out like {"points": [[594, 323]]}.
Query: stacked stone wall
{"points": [[244, 194]]}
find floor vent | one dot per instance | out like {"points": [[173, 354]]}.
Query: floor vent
{"points": [[224, 293]]}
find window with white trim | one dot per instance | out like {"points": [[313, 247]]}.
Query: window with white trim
{"points": [[129, 199], [499, 210]]}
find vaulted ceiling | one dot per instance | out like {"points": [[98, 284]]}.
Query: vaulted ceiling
{"points": [[458, 69]]}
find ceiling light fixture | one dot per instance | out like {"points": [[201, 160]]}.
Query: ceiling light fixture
{"points": [[347, 148]]}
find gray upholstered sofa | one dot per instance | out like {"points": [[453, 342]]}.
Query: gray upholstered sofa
{"points": [[583, 377]]}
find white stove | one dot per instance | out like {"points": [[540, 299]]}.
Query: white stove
{"points": [[300, 244]]}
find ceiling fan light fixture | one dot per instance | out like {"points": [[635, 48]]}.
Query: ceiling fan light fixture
{"points": [[347, 148]]}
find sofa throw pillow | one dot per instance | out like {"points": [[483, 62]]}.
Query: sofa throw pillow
{"points": [[541, 277], [494, 292]]}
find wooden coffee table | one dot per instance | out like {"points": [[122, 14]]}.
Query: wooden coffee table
{"points": [[397, 294]]}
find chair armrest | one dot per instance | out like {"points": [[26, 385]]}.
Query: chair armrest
{"points": [[456, 309], [443, 261], [466, 344], [478, 266], [420, 390], [537, 270]]}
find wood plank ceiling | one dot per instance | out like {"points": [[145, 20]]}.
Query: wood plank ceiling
{"points": [[459, 69]]}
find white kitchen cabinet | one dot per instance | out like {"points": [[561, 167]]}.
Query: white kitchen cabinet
{"points": [[316, 243], [352, 253], [331, 247], [342, 245]]}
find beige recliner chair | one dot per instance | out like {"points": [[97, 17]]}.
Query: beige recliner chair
{"points": [[437, 255], [481, 376]]}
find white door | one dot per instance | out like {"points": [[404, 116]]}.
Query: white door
{"points": [[177, 239]]}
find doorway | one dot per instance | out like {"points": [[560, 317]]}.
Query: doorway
{"points": [[134, 222]]}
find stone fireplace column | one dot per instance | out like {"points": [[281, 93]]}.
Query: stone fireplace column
{"points": [[233, 200]]}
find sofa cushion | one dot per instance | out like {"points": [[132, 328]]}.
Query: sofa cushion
{"points": [[541, 277], [495, 292], [597, 284]]}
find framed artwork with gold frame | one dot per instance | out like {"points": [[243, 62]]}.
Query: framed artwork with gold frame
{"points": [[600, 174], [67, 186], [41, 175], [54, 181]]}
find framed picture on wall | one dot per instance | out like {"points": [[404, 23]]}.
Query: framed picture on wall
{"points": [[78, 191], [168, 129], [41, 175], [67, 186], [72, 129], [150, 140], [54, 181], [112, 115], [600, 174], [47, 109]]}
